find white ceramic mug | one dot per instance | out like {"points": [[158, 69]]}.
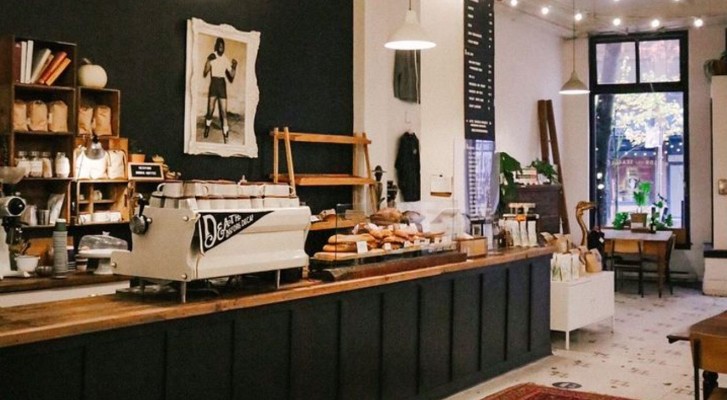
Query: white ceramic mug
{"points": [[224, 189], [244, 202], [272, 202], [114, 216], [84, 218], [218, 203], [100, 216], [277, 189], [189, 203], [196, 189], [203, 203], [256, 202], [174, 189], [171, 202], [156, 200]]}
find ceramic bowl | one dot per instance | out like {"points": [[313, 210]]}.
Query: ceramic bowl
{"points": [[27, 263]]}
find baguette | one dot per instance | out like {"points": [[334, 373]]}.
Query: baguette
{"points": [[340, 247], [364, 237]]}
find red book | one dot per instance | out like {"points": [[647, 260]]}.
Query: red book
{"points": [[57, 60], [17, 55], [55, 74]]}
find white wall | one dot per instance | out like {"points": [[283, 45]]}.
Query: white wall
{"points": [[704, 44], [524, 73], [527, 69]]}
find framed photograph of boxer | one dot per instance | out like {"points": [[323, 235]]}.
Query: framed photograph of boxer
{"points": [[221, 90]]}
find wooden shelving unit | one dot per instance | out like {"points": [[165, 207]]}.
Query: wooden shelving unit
{"points": [[357, 178]]}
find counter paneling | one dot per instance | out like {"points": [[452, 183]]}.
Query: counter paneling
{"points": [[420, 334]]}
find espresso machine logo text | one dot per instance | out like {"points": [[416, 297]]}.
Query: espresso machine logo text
{"points": [[215, 228]]}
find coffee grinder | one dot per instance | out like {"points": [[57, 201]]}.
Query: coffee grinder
{"points": [[11, 206]]}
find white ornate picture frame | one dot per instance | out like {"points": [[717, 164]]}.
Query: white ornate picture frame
{"points": [[227, 82]]}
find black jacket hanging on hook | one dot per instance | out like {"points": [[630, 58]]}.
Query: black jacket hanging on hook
{"points": [[406, 75], [408, 167]]}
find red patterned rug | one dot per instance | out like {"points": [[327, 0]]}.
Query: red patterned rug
{"points": [[531, 391]]}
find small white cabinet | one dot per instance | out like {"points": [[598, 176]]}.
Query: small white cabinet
{"points": [[585, 301]]}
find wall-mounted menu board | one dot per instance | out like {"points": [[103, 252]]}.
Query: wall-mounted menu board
{"points": [[479, 69]]}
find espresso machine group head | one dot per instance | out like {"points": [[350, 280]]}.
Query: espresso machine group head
{"points": [[11, 207]]}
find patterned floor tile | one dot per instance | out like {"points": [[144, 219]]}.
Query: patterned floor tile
{"points": [[633, 361]]}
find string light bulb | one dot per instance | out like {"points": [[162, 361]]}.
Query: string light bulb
{"points": [[655, 23], [578, 16], [698, 22], [617, 21], [545, 10], [513, 3]]}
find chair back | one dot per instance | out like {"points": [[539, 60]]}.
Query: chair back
{"points": [[627, 246]]}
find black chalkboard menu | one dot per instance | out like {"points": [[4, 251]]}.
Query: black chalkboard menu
{"points": [[479, 69]]}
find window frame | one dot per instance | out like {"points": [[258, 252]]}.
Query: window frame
{"points": [[682, 86]]}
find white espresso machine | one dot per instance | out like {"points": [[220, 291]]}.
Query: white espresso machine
{"points": [[183, 245]]}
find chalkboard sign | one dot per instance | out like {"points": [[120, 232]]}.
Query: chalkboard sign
{"points": [[146, 172], [479, 69]]}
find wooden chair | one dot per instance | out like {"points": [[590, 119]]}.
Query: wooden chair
{"points": [[627, 256], [653, 259], [709, 353]]}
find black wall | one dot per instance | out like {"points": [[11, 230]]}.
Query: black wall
{"points": [[304, 70]]}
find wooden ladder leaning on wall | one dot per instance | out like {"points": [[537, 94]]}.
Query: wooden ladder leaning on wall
{"points": [[356, 178], [546, 123]]}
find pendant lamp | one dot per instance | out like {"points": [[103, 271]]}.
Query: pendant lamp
{"points": [[574, 84], [410, 36]]}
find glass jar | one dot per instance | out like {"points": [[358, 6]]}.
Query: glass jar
{"points": [[63, 165], [22, 161], [36, 165], [47, 164]]}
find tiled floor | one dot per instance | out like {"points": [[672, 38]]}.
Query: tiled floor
{"points": [[635, 361]]}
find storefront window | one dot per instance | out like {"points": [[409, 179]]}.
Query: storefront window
{"points": [[639, 123]]}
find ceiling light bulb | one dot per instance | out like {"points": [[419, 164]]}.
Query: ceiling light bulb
{"points": [[698, 22], [655, 23], [545, 10], [513, 3], [579, 16], [616, 21]]}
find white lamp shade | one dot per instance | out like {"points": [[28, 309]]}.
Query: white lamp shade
{"points": [[574, 86], [410, 36]]}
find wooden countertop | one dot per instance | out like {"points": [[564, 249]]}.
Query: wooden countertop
{"points": [[16, 284], [44, 321]]}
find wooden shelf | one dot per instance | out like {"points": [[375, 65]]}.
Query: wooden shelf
{"points": [[43, 88], [328, 180], [33, 179], [43, 133], [102, 201], [102, 181], [321, 138]]}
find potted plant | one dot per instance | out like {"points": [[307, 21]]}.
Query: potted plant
{"points": [[716, 66], [136, 153], [641, 198], [508, 167], [620, 220], [546, 170], [660, 218]]}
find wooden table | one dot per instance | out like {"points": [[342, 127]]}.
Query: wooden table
{"points": [[715, 325], [655, 244]]}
